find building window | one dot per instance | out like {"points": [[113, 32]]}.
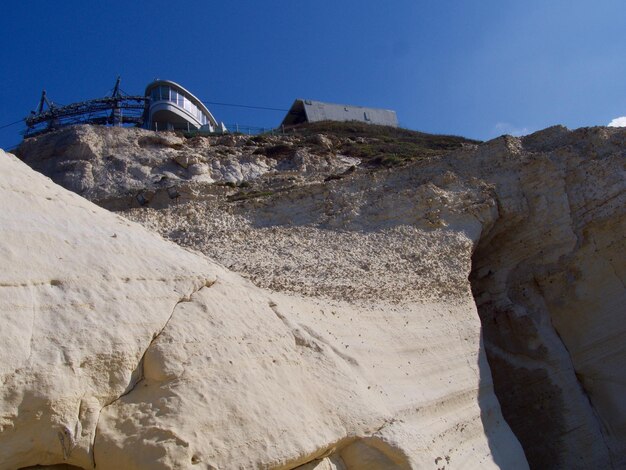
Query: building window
{"points": [[165, 93]]}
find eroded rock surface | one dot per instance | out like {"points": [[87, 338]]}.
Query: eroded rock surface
{"points": [[549, 279], [131, 167], [538, 221], [122, 350]]}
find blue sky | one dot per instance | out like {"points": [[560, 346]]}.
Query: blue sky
{"points": [[477, 69]]}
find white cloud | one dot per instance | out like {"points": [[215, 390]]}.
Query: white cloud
{"points": [[618, 122]]}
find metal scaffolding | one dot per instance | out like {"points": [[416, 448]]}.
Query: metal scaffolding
{"points": [[115, 110]]}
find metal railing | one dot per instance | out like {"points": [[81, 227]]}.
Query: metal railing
{"points": [[244, 129]]}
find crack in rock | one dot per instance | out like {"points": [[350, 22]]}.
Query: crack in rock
{"points": [[138, 373], [306, 336], [68, 441]]}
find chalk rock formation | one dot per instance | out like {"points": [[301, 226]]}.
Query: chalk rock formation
{"points": [[83, 294], [547, 213], [122, 350], [125, 167], [539, 222], [550, 280]]}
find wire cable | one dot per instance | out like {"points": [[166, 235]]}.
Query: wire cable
{"points": [[244, 106], [11, 124]]}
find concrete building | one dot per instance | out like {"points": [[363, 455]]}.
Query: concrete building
{"points": [[314, 111], [172, 107]]}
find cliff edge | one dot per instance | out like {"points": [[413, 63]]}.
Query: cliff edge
{"points": [[381, 230], [123, 350]]}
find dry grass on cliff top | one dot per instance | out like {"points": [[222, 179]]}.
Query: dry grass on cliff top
{"points": [[382, 145]]}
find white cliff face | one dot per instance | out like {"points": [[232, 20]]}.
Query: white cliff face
{"points": [[549, 282], [126, 167], [122, 350], [368, 301], [83, 294], [547, 216]]}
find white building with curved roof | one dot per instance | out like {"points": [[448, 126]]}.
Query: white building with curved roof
{"points": [[172, 107]]}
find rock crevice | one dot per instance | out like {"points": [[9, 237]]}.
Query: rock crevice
{"points": [[527, 270], [138, 373]]}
